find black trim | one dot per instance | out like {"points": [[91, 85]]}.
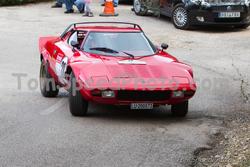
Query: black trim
{"points": [[74, 25], [136, 95]]}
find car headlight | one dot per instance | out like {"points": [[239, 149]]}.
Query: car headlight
{"points": [[178, 94], [206, 4], [247, 2], [201, 2], [197, 2], [108, 94]]}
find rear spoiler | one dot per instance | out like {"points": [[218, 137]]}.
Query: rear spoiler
{"points": [[74, 25]]}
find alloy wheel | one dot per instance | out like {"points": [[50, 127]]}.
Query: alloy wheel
{"points": [[180, 17]]}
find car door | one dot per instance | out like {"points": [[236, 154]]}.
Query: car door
{"points": [[62, 53], [166, 7]]}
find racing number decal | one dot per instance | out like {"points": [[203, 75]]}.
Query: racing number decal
{"points": [[61, 66]]}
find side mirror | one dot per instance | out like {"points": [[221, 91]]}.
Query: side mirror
{"points": [[164, 46], [75, 44]]}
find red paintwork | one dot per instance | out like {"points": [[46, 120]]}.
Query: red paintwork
{"points": [[90, 67]]}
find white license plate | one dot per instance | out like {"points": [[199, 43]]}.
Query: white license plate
{"points": [[141, 106], [229, 14]]}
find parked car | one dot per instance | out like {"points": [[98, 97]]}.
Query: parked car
{"points": [[186, 13], [113, 64]]}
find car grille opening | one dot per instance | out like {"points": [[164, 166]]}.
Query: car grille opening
{"points": [[228, 20], [224, 8], [134, 95]]}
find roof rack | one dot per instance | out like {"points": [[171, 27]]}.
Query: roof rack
{"points": [[85, 23]]}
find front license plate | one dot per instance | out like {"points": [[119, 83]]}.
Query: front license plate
{"points": [[141, 106], [229, 14]]}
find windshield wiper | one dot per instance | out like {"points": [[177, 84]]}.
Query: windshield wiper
{"points": [[103, 49], [129, 54], [109, 50]]}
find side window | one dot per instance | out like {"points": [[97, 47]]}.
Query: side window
{"points": [[73, 37], [77, 36], [81, 36]]}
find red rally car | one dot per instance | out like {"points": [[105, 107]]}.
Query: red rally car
{"points": [[113, 63]]}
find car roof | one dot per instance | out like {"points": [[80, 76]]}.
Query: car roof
{"points": [[107, 29], [98, 27]]}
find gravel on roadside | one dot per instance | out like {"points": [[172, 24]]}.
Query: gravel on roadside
{"points": [[230, 148]]}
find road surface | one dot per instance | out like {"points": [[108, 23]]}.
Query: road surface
{"points": [[38, 131]]}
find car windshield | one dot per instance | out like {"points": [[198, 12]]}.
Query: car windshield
{"points": [[118, 44]]}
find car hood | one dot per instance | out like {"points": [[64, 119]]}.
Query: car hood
{"points": [[151, 67]]}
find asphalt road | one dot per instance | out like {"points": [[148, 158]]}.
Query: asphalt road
{"points": [[38, 131]]}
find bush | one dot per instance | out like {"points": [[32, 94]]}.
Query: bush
{"points": [[18, 2]]}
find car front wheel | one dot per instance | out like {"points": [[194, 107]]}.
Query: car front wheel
{"points": [[180, 109], [77, 104], [139, 9], [180, 17]]}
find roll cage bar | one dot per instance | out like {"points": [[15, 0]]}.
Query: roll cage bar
{"points": [[74, 25]]}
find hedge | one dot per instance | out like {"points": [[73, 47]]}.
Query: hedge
{"points": [[18, 2]]}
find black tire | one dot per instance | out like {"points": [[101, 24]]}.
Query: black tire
{"points": [[180, 110], [180, 17], [77, 104], [48, 86], [243, 26], [139, 8]]}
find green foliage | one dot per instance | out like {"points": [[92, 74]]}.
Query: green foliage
{"points": [[18, 2]]}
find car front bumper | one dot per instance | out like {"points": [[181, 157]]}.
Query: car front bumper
{"points": [[210, 15], [126, 97]]}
